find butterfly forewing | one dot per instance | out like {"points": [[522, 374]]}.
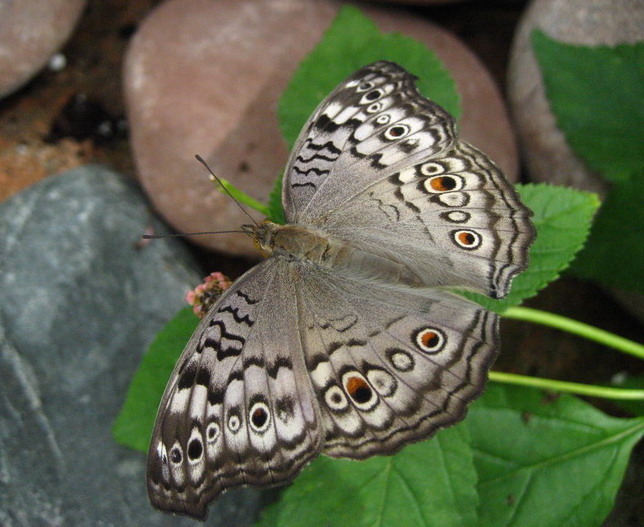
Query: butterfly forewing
{"points": [[346, 144]]}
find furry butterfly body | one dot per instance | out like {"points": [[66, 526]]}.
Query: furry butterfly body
{"points": [[345, 340]]}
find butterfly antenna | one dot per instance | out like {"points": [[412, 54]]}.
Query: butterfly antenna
{"points": [[182, 234], [213, 177]]}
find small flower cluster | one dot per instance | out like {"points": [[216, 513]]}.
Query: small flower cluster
{"points": [[202, 297]]}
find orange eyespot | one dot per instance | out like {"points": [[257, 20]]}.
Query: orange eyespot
{"points": [[429, 339], [466, 238], [442, 184]]}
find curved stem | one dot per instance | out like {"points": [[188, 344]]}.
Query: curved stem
{"points": [[241, 196], [605, 392], [577, 328]]}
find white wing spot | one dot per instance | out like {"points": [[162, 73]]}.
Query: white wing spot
{"points": [[383, 382]]}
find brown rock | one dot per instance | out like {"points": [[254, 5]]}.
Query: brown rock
{"points": [[214, 91], [583, 22], [31, 31]]}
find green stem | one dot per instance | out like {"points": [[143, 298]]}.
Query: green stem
{"points": [[577, 328], [241, 196], [605, 392]]}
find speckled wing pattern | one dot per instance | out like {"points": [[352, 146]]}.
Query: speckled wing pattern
{"points": [[298, 359]]}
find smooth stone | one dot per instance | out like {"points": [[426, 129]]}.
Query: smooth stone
{"points": [[32, 31], [82, 299], [583, 22], [214, 92]]}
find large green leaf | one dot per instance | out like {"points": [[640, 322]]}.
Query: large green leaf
{"points": [[133, 426], [430, 484], [614, 254], [596, 94], [562, 217], [547, 462]]}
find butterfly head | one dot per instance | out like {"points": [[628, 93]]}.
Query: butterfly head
{"points": [[262, 235]]}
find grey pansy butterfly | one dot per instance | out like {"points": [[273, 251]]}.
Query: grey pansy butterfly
{"points": [[345, 341]]}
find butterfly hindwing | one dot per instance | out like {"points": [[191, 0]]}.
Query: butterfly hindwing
{"points": [[391, 365]]}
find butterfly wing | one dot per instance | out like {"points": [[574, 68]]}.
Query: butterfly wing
{"points": [[239, 408], [338, 152], [379, 166], [390, 365]]}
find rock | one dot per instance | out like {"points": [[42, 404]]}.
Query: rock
{"points": [[81, 301], [32, 31], [582, 22], [214, 92]]}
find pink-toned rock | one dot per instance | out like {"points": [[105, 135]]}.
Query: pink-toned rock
{"points": [[213, 90], [31, 31], [583, 22]]}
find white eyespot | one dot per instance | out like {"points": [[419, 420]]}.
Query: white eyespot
{"points": [[454, 199], [259, 417], [176, 454], [371, 96], [397, 131], [467, 239], [431, 169], [457, 216], [383, 119], [384, 383], [234, 423], [439, 184], [429, 340], [374, 107], [335, 399], [364, 87], [195, 446], [401, 360], [212, 432]]}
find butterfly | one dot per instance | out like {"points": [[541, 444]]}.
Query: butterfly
{"points": [[346, 340]]}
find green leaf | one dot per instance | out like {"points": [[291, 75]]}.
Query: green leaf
{"points": [[614, 255], [427, 484], [353, 41], [596, 94], [276, 211], [562, 217], [133, 426], [547, 463]]}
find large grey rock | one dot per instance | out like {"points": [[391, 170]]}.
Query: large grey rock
{"points": [[81, 301]]}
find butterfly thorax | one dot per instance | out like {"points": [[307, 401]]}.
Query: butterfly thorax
{"points": [[298, 242], [315, 246]]}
